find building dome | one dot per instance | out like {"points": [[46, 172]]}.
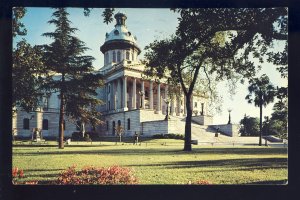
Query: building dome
{"points": [[120, 37]]}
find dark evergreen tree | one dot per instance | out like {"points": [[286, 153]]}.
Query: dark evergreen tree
{"points": [[72, 73]]}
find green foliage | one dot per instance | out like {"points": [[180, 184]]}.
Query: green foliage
{"points": [[28, 76], [108, 15], [277, 125], [168, 136], [261, 91], [18, 28], [249, 126], [101, 176]]}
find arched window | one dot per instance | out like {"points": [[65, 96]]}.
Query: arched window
{"points": [[128, 124], [118, 56], [107, 125], [127, 55], [26, 124], [45, 124], [113, 127], [114, 56], [119, 122]]}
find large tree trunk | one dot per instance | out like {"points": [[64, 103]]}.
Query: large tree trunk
{"points": [[61, 115], [61, 123], [188, 125], [260, 124]]}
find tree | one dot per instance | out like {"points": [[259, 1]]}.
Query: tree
{"points": [[196, 47], [72, 74], [120, 132], [27, 68], [18, 28], [277, 124], [249, 126], [261, 92]]}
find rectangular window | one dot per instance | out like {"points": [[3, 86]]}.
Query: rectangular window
{"points": [[26, 124], [128, 124], [45, 124]]}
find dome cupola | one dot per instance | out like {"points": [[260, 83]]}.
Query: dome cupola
{"points": [[120, 43]]}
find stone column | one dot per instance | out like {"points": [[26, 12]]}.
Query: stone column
{"points": [[106, 96], [119, 96], [109, 96], [134, 94], [164, 101], [151, 95], [143, 92], [184, 106], [113, 96], [125, 93], [178, 106], [172, 106], [158, 110]]}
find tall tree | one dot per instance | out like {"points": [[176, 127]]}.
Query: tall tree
{"points": [[261, 92], [27, 68], [196, 47], [72, 74]]}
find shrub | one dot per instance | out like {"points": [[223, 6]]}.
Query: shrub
{"points": [[93, 135], [18, 174], [92, 175], [76, 136], [168, 136], [88, 136]]}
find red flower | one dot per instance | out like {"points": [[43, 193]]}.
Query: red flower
{"points": [[21, 173]]}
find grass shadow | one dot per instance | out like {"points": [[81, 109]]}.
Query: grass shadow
{"points": [[227, 164], [160, 151]]}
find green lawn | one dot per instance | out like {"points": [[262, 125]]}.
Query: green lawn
{"points": [[160, 162]]}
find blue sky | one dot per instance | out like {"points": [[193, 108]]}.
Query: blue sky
{"points": [[147, 25]]}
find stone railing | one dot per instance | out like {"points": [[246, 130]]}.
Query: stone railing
{"points": [[231, 130]]}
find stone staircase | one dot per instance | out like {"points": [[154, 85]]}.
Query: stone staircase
{"points": [[206, 134]]}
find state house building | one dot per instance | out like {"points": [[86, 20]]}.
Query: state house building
{"points": [[130, 100]]}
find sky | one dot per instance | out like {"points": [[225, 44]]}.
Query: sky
{"points": [[147, 25]]}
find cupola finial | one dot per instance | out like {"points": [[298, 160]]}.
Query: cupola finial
{"points": [[120, 19]]}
